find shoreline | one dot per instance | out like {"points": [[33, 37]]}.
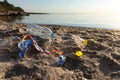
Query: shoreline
{"points": [[71, 26], [15, 14], [78, 27], [36, 13]]}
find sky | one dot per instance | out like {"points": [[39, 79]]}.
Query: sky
{"points": [[69, 6]]}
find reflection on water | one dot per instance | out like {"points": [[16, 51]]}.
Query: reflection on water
{"points": [[11, 18], [76, 20]]}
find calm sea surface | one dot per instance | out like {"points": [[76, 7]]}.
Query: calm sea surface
{"points": [[92, 21]]}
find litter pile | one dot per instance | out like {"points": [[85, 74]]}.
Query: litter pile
{"points": [[58, 53]]}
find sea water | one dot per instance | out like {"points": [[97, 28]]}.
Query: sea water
{"points": [[106, 21]]}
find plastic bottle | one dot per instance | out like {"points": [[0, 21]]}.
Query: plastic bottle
{"points": [[43, 32], [79, 41]]}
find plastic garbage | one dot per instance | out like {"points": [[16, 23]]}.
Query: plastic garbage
{"points": [[58, 52], [78, 53], [79, 41], [26, 42], [85, 42], [43, 32], [61, 60], [39, 48], [24, 46], [26, 37]]}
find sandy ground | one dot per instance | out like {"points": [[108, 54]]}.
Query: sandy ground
{"points": [[100, 60]]}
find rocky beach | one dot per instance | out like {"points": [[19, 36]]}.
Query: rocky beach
{"points": [[100, 60]]}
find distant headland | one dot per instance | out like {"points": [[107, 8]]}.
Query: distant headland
{"points": [[7, 9]]}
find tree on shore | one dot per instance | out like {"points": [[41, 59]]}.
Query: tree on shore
{"points": [[5, 1], [4, 5]]}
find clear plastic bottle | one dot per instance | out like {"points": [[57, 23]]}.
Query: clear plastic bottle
{"points": [[43, 32], [79, 41]]}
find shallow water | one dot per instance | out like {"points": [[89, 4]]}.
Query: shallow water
{"points": [[78, 20]]}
